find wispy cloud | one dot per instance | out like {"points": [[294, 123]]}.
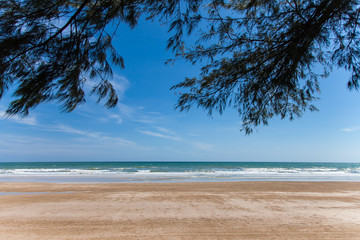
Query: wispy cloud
{"points": [[126, 110], [18, 139], [140, 115], [161, 133], [90, 134], [22, 145], [29, 120], [69, 129], [165, 130], [353, 129], [120, 84], [166, 133], [117, 118]]}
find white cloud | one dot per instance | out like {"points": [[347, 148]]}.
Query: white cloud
{"points": [[18, 139], [137, 114], [126, 110], [90, 134], [144, 119], [68, 129], [160, 135], [29, 120], [120, 84], [353, 129], [165, 130], [117, 118], [166, 133]]}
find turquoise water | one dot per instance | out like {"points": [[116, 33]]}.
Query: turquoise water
{"points": [[177, 171]]}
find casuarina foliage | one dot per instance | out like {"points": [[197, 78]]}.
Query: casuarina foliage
{"points": [[260, 57]]}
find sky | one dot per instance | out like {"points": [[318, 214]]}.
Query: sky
{"points": [[145, 126]]}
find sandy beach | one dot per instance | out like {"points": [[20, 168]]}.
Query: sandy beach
{"points": [[237, 210]]}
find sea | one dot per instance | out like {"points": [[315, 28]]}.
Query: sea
{"points": [[127, 172]]}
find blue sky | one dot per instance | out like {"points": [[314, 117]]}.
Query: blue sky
{"points": [[145, 127]]}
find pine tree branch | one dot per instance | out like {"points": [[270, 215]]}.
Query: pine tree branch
{"points": [[72, 18]]}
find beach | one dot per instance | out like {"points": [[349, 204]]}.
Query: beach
{"points": [[216, 210]]}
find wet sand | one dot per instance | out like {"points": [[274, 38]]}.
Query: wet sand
{"points": [[237, 210]]}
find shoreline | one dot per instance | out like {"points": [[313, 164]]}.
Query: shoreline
{"points": [[134, 172], [168, 179], [258, 185], [188, 210]]}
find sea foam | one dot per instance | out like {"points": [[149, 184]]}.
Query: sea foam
{"points": [[184, 171]]}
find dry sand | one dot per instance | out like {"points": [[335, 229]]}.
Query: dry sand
{"points": [[238, 210]]}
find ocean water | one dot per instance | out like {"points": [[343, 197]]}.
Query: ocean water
{"points": [[176, 171]]}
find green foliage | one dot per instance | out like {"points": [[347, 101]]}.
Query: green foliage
{"points": [[260, 56], [50, 48], [257, 56]]}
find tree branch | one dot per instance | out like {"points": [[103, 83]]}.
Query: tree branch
{"points": [[56, 34]]}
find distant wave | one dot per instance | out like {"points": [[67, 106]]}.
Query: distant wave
{"points": [[209, 172], [140, 172]]}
